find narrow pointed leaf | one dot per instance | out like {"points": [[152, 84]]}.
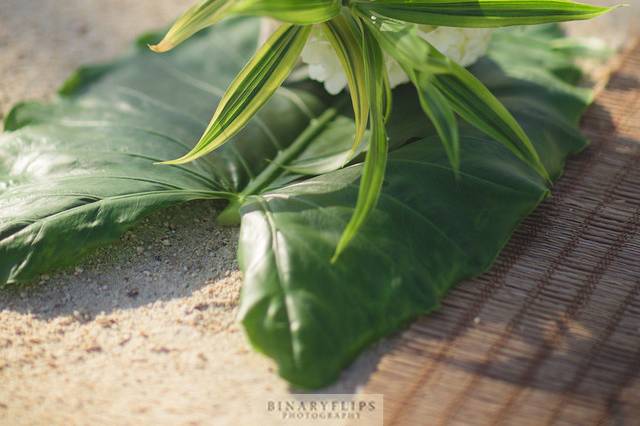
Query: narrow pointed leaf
{"points": [[251, 89], [435, 105], [460, 89], [480, 13], [292, 11], [343, 35], [401, 41], [388, 97], [209, 12], [479, 107], [198, 17], [376, 159]]}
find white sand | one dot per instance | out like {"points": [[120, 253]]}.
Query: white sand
{"points": [[142, 332]]}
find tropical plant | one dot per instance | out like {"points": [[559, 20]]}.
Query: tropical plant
{"points": [[360, 31], [79, 172]]}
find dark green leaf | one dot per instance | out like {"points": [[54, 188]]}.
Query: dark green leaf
{"points": [[429, 231], [76, 174]]}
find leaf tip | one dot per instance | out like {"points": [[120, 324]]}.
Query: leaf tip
{"points": [[603, 10], [162, 47], [340, 248], [171, 162], [457, 175]]}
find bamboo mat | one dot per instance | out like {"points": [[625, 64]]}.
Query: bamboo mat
{"points": [[551, 335]]}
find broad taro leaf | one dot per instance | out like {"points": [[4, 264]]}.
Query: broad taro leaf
{"points": [[429, 231], [79, 172]]}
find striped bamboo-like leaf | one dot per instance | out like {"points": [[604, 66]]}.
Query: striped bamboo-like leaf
{"points": [[343, 34], [480, 13], [210, 12], [455, 86], [376, 160], [198, 17], [252, 88], [292, 11], [437, 108]]}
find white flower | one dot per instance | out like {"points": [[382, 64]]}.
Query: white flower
{"points": [[463, 45], [324, 65]]}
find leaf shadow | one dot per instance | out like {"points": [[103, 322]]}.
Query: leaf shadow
{"points": [[169, 255], [558, 311], [624, 82]]}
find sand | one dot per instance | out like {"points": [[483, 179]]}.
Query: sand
{"points": [[144, 331]]}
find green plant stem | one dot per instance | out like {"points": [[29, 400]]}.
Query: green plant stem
{"points": [[230, 216]]}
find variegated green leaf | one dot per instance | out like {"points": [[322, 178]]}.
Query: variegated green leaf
{"points": [[251, 89], [343, 34], [210, 12], [480, 13], [435, 105], [463, 92], [376, 160], [198, 17], [292, 11], [479, 107]]}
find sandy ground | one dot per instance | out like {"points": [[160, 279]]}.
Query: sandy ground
{"points": [[142, 332]]}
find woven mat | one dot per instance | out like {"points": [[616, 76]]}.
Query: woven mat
{"points": [[551, 335]]}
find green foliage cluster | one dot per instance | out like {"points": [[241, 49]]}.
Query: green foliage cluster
{"points": [[359, 32], [79, 172]]}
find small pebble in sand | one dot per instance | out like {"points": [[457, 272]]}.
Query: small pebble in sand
{"points": [[81, 316], [93, 348], [125, 339], [476, 320]]}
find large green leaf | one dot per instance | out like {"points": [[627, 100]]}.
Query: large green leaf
{"points": [[429, 231], [77, 173]]}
